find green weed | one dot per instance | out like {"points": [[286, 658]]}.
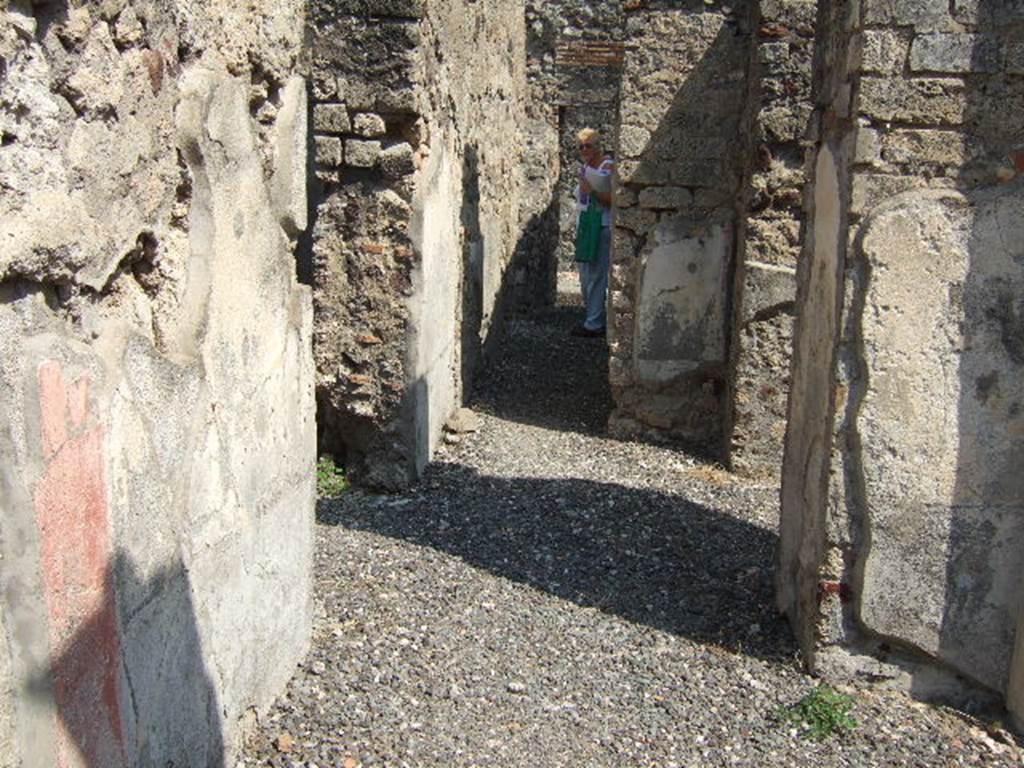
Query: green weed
{"points": [[330, 479], [823, 712]]}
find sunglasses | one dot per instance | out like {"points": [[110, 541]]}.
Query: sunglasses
{"points": [[586, 146]]}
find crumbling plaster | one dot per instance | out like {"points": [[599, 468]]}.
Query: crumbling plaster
{"points": [[157, 378], [901, 519]]}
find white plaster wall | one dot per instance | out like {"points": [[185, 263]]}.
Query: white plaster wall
{"points": [[434, 305], [680, 315]]}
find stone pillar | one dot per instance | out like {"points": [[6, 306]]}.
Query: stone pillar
{"points": [[802, 566], [919, 540]]}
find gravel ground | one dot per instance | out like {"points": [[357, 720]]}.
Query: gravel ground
{"points": [[549, 597]]}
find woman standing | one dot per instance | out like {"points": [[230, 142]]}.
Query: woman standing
{"points": [[595, 186]]}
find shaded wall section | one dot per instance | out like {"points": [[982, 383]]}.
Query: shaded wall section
{"points": [[156, 368], [770, 211]]}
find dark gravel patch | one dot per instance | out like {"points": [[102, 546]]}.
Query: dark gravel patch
{"points": [[549, 597]]}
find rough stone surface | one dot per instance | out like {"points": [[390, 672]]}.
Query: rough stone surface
{"points": [[398, 160], [331, 118], [328, 151], [416, 245], [155, 378], [368, 124], [362, 154], [763, 284], [917, 535], [684, 88], [574, 69]]}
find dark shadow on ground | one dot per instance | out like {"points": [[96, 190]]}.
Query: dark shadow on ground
{"points": [[650, 557], [540, 375]]}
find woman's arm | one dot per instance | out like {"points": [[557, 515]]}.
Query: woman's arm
{"points": [[604, 196]]}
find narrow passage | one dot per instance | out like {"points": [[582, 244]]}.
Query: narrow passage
{"points": [[550, 597]]}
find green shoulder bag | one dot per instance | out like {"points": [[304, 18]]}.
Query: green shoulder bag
{"points": [[588, 233]]}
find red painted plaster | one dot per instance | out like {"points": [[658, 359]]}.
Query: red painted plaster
{"points": [[76, 553]]}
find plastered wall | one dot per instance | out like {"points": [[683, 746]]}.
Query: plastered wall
{"points": [[907, 534], [156, 378]]}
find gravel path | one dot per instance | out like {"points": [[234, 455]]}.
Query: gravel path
{"points": [[549, 597]]}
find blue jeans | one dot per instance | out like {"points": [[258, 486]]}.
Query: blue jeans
{"points": [[594, 283]]}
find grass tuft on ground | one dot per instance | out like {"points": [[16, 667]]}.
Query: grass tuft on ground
{"points": [[330, 478], [822, 713]]}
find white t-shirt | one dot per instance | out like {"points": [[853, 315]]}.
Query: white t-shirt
{"points": [[600, 180]]}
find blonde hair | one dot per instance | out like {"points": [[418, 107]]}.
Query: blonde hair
{"points": [[589, 136]]}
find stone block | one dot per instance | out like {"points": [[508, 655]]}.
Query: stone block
{"points": [[948, 53], [331, 118], [883, 51], [362, 154], [925, 147], [988, 15], [785, 122], [870, 189], [625, 197], [328, 151], [765, 287], [867, 146], [400, 9], [706, 199], [665, 198], [633, 140], [775, 240], [931, 101], [1013, 58], [636, 220], [792, 12], [396, 160], [128, 30], [369, 125], [922, 15]]}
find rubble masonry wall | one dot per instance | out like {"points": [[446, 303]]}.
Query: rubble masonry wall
{"points": [[680, 163], [770, 215], [423, 151]]}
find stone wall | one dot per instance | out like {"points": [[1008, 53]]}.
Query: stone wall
{"points": [[421, 127], [155, 377], [681, 164], [907, 535], [770, 214]]}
